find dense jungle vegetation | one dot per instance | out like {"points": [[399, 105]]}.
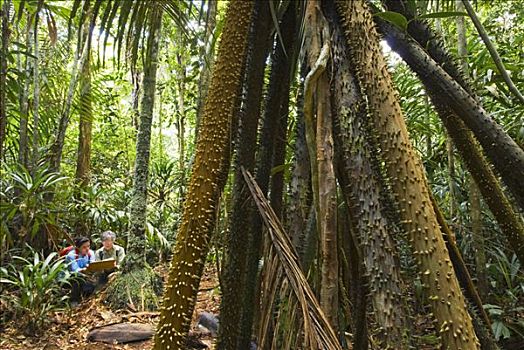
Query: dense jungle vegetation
{"points": [[344, 174]]}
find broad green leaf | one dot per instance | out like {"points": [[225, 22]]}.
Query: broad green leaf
{"points": [[394, 17], [445, 14]]}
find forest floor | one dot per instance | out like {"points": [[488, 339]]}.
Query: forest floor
{"points": [[68, 330]]}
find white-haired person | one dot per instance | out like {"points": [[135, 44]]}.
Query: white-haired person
{"points": [[109, 250]]}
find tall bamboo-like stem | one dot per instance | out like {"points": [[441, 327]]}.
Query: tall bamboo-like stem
{"points": [[207, 181], [23, 151], [408, 181]]}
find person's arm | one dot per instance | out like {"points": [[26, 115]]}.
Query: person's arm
{"points": [[120, 256], [73, 265], [92, 257]]}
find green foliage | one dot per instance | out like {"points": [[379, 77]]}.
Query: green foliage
{"points": [[32, 288], [23, 205]]}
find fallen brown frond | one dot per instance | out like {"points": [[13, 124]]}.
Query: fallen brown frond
{"points": [[318, 334]]}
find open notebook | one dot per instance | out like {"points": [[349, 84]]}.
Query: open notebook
{"points": [[101, 265]]}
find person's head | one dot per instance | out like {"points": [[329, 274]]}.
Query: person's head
{"points": [[82, 244], [108, 238]]}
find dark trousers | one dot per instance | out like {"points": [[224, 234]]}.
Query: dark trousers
{"points": [[81, 288], [103, 277]]}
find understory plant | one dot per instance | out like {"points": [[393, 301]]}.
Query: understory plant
{"points": [[32, 288]]}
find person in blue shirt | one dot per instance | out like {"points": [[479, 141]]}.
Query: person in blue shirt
{"points": [[78, 259]]}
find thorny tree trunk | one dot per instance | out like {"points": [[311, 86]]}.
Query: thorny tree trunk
{"points": [[354, 281], [4, 14], [447, 81], [241, 208], [23, 151], [83, 162], [208, 57], [181, 124], [361, 184], [300, 186], [137, 219], [280, 66], [408, 181], [207, 181], [481, 321], [510, 223]]}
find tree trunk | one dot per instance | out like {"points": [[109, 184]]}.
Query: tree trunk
{"points": [[327, 187], [300, 186], [510, 223], [475, 209], [280, 68], [208, 56], [23, 151], [447, 81], [241, 208], [83, 161], [35, 157], [135, 258], [206, 182], [408, 181], [361, 184], [4, 14]]}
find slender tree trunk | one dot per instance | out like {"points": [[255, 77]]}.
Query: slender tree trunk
{"points": [[510, 223], [475, 209], [83, 161], [355, 277], [23, 151], [207, 181], [208, 56], [135, 258], [280, 67], [35, 157], [233, 277], [55, 153], [135, 95], [408, 181], [361, 184], [4, 14], [180, 125], [327, 187], [300, 186], [447, 81]]}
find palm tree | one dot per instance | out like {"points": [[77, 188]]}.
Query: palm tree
{"points": [[207, 180]]}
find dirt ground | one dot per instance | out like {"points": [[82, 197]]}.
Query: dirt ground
{"points": [[68, 330]]}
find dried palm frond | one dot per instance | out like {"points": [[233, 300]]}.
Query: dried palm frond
{"points": [[318, 333]]}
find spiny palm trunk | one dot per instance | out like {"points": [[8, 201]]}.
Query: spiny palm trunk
{"points": [[361, 185], [300, 186], [510, 223], [280, 66], [206, 182], [135, 258], [35, 154], [408, 181], [241, 208], [4, 14], [448, 81]]}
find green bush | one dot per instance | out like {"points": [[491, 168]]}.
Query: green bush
{"points": [[31, 288]]}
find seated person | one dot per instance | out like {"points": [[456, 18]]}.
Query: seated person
{"points": [[109, 250], [78, 259]]}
